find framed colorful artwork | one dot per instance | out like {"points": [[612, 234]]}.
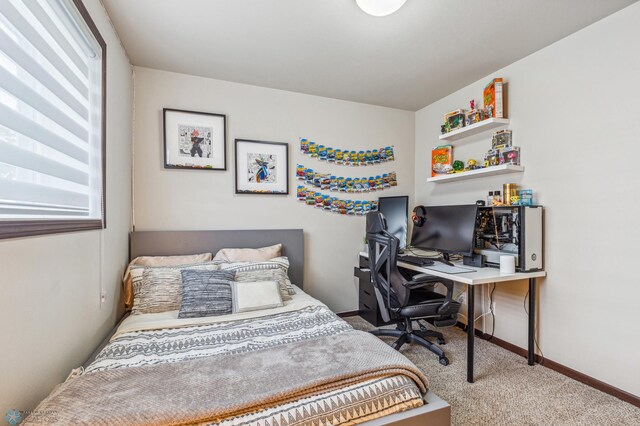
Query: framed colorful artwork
{"points": [[194, 140], [262, 167]]}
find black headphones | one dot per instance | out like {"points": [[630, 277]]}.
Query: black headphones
{"points": [[419, 215]]}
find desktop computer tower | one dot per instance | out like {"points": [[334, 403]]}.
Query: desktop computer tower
{"points": [[510, 230]]}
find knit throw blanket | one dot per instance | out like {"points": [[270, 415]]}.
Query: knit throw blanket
{"points": [[214, 388]]}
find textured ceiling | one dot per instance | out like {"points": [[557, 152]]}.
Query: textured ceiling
{"points": [[426, 50]]}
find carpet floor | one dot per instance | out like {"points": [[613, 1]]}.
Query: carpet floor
{"points": [[507, 391]]}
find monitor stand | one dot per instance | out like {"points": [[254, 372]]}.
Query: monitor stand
{"points": [[444, 259]]}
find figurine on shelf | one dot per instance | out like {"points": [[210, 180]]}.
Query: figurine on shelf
{"points": [[472, 165], [458, 166]]}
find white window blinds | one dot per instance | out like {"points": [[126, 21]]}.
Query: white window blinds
{"points": [[50, 112]]}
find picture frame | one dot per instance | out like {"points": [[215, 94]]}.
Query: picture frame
{"points": [[261, 167], [194, 140]]}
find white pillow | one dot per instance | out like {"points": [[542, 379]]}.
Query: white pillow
{"points": [[256, 295], [249, 254]]}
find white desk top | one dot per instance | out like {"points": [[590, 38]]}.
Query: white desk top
{"points": [[479, 276]]}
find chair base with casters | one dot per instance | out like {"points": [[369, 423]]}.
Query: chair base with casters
{"points": [[424, 307], [406, 334]]}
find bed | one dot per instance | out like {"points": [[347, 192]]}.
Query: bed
{"points": [[291, 365]]}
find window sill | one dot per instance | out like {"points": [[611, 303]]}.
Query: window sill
{"points": [[32, 228]]}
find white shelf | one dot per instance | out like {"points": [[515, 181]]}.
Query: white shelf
{"points": [[472, 174], [479, 127]]}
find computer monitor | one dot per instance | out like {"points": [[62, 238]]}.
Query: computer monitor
{"points": [[396, 212], [447, 229]]}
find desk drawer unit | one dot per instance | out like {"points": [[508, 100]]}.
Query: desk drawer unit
{"points": [[367, 302]]}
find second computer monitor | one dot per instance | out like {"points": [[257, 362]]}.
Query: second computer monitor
{"points": [[396, 210], [447, 229]]}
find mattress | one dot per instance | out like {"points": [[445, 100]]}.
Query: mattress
{"points": [[162, 338]]}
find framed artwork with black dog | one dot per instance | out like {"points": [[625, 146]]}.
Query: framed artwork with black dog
{"points": [[194, 140]]}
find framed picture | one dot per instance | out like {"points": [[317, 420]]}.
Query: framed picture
{"points": [[262, 167], [194, 140]]}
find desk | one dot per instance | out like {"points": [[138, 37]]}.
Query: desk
{"points": [[482, 276]]}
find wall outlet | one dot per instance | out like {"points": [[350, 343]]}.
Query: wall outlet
{"points": [[103, 297]]}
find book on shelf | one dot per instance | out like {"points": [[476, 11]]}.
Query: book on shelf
{"points": [[441, 160], [493, 97]]}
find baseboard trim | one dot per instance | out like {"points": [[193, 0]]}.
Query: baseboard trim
{"points": [[562, 369], [348, 314]]}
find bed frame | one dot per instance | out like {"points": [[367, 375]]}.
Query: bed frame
{"points": [[435, 412]]}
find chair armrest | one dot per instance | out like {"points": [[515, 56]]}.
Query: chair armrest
{"points": [[422, 280], [447, 301]]}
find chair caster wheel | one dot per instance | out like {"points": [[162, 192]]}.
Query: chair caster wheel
{"points": [[441, 341], [444, 360]]}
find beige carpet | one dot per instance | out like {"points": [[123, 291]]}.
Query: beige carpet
{"points": [[507, 391]]}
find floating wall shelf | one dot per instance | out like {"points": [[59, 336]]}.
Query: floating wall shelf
{"points": [[474, 129], [472, 174]]}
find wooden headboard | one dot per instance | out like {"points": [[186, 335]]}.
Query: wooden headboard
{"points": [[171, 243]]}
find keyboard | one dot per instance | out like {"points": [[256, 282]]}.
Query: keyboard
{"points": [[415, 260], [448, 269]]}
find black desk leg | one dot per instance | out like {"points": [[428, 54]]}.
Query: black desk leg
{"points": [[470, 331], [532, 320]]}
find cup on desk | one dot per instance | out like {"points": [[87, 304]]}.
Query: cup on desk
{"points": [[507, 265]]}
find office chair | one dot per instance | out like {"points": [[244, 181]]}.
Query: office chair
{"points": [[403, 301]]}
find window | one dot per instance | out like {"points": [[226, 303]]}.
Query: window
{"points": [[52, 118]]}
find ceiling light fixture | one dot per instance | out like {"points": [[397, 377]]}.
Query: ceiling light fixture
{"points": [[380, 7]]}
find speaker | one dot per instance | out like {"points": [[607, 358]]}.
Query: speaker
{"points": [[476, 259]]}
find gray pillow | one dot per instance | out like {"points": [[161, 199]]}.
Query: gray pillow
{"points": [[159, 289], [206, 293]]}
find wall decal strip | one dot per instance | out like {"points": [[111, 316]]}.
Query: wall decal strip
{"points": [[345, 184], [334, 204], [346, 157]]}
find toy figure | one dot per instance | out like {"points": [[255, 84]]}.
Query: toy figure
{"points": [[313, 149], [342, 207], [393, 180], [361, 158], [304, 146], [342, 184], [309, 176], [353, 158], [376, 156], [349, 183], [385, 181], [322, 153], [334, 205], [389, 151], [374, 206], [357, 185], [458, 166], [319, 199], [302, 193], [379, 182], [333, 186], [472, 165], [311, 198], [383, 155], [366, 206], [472, 104], [326, 202], [325, 182], [368, 157], [301, 172], [350, 207], [331, 155], [372, 183]]}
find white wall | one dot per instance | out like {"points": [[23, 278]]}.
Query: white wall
{"points": [[572, 109], [51, 317], [187, 199]]}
